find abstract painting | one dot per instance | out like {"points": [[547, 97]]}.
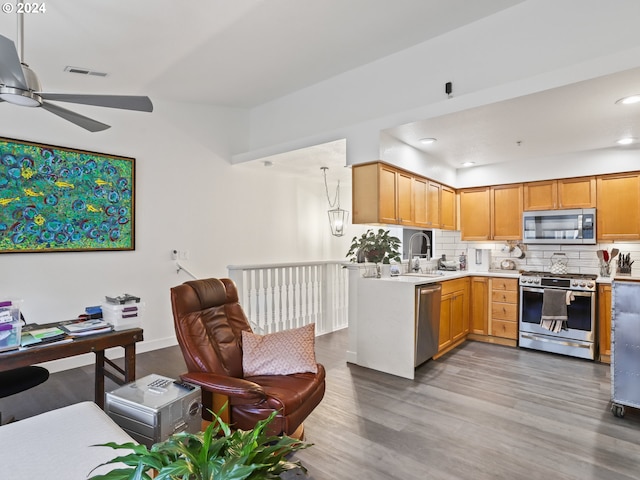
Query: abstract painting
{"points": [[62, 199]]}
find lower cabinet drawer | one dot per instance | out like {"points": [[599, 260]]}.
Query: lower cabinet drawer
{"points": [[501, 328], [504, 296], [504, 311]]}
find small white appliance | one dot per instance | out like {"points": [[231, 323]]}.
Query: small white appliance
{"points": [[479, 259]]}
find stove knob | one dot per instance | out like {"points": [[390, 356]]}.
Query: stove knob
{"points": [[590, 285], [574, 283]]}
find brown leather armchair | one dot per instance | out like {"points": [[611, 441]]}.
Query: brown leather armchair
{"points": [[209, 322]]}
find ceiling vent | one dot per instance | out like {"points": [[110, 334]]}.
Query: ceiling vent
{"points": [[84, 71]]}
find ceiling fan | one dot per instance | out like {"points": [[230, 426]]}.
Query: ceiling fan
{"points": [[20, 85]]}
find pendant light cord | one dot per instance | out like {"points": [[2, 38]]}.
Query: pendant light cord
{"points": [[336, 199]]}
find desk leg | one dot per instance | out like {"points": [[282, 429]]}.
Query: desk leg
{"points": [[119, 375], [99, 378], [129, 363]]}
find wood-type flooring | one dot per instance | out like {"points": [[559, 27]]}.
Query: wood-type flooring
{"points": [[480, 412]]}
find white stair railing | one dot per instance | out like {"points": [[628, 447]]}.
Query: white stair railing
{"points": [[278, 297]]}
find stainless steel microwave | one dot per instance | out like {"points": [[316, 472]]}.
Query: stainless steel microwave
{"points": [[577, 226]]}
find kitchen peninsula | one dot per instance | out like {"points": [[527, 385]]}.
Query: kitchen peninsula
{"points": [[382, 313]]}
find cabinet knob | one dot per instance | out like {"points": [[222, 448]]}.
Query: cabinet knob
{"points": [[504, 297]]}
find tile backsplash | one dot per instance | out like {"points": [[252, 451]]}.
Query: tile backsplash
{"points": [[581, 258]]}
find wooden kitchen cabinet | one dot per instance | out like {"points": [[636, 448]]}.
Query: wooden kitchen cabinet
{"points": [[560, 194], [475, 214], [388, 191], [404, 199], [389, 195], [577, 192], [504, 308], [604, 322], [421, 202], [541, 195], [618, 207], [491, 213], [454, 314], [381, 194], [479, 311], [447, 208], [506, 212]]}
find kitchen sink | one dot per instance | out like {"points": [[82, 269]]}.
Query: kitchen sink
{"points": [[420, 274]]}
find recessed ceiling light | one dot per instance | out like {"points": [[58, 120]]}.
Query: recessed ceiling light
{"points": [[631, 99], [468, 164], [427, 141], [626, 141]]}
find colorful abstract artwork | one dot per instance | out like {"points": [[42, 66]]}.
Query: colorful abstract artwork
{"points": [[59, 199]]}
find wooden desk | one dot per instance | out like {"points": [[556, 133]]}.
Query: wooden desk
{"points": [[92, 343]]}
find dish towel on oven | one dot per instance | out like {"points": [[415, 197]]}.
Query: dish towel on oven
{"points": [[554, 309]]}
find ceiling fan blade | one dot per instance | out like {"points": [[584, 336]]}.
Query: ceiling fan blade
{"points": [[73, 117], [125, 102], [10, 67]]}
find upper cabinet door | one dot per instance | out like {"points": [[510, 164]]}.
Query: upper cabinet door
{"points": [[475, 214], [541, 195], [433, 204], [420, 201], [447, 208], [404, 199], [577, 192], [388, 195], [507, 212], [618, 207]]}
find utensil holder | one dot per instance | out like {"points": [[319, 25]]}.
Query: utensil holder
{"points": [[605, 269]]}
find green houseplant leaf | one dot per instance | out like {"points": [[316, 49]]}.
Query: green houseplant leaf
{"points": [[378, 247], [218, 453]]}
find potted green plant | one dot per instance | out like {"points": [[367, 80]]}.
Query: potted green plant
{"points": [[217, 453], [377, 247]]}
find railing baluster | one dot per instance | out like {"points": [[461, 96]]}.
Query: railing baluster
{"points": [[283, 296]]}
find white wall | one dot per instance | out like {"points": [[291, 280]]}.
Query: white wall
{"points": [[188, 197], [596, 162]]}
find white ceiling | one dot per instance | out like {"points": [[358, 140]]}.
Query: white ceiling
{"points": [[580, 117], [238, 53], [243, 53]]}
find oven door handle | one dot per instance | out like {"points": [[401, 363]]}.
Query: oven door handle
{"points": [[576, 293], [530, 289]]}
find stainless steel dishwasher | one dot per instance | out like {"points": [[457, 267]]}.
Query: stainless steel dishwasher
{"points": [[427, 321]]}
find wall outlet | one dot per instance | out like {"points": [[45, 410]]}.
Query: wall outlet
{"points": [[179, 254]]}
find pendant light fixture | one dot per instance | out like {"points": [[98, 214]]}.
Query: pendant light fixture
{"points": [[337, 216]]}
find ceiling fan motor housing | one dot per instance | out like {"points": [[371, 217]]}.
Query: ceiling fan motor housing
{"points": [[32, 79]]}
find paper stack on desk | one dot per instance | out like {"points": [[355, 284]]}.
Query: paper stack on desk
{"points": [[86, 327], [34, 334]]}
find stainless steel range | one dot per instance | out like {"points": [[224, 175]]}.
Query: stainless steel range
{"points": [[577, 338]]}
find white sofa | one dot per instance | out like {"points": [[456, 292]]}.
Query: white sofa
{"points": [[57, 445]]}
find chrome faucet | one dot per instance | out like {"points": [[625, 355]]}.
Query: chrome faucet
{"points": [[415, 266]]}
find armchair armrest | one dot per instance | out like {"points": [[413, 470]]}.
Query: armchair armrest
{"points": [[229, 386]]}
